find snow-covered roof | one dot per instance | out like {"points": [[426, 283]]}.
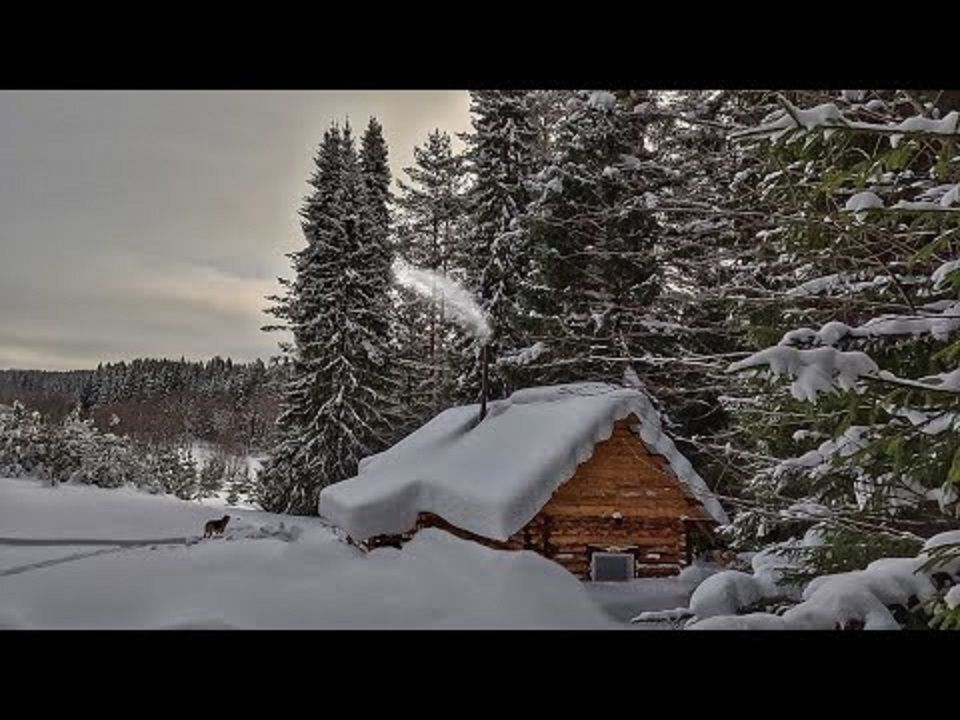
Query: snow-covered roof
{"points": [[493, 478]]}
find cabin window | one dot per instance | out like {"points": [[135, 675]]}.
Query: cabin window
{"points": [[611, 567]]}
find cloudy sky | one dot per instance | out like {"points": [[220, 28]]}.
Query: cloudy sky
{"points": [[154, 223]]}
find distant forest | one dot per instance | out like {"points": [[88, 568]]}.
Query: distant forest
{"points": [[232, 405]]}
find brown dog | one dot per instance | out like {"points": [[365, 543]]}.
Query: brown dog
{"points": [[216, 527]]}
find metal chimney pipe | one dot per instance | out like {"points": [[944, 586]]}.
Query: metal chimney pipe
{"points": [[484, 361]]}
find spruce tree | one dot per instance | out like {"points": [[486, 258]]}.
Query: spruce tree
{"points": [[593, 269], [337, 399], [428, 236], [711, 250], [237, 480], [502, 152], [382, 374], [212, 475]]}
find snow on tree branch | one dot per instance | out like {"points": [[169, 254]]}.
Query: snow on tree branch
{"points": [[813, 371], [829, 117]]}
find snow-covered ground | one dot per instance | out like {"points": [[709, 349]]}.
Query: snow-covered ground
{"points": [[201, 452], [626, 600], [270, 571]]}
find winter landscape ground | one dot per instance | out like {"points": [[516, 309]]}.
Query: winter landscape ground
{"points": [[270, 572]]}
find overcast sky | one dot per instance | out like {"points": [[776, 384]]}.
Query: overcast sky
{"points": [[152, 224]]}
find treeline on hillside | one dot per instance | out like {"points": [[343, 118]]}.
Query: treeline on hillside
{"points": [[74, 450], [232, 405]]}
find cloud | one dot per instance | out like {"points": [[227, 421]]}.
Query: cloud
{"points": [[204, 289], [136, 309]]}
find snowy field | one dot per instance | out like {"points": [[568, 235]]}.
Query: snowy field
{"points": [[270, 571]]}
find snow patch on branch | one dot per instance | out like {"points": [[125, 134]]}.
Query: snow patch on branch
{"points": [[525, 356], [813, 371], [827, 284], [602, 99], [854, 96], [793, 118], [820, 460], [950, 537], [861, 203], [951, 197], [929, 422], [830, 118], [948, 125], [921, 206], [944, 381], [939, 324], [952, 598], [941, 275]]}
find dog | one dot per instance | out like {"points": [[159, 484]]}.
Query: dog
{"points": [[216, 527]]}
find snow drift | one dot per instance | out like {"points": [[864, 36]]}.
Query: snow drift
{"points": [[257, 577]]}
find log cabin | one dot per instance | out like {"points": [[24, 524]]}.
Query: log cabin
{"points": [[582, 474]]}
